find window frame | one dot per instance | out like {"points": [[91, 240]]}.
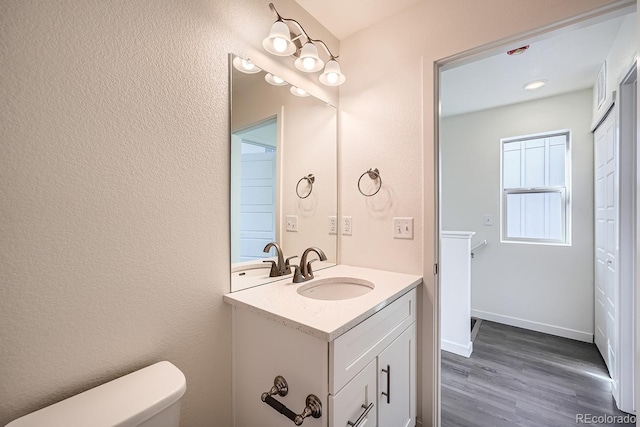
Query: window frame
{"points": [[565, 192]]}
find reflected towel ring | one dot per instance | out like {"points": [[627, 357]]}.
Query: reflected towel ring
{"points": [[373, 174], [310, 180]]}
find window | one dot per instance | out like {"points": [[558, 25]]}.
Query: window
{"points": [[535, 188]]}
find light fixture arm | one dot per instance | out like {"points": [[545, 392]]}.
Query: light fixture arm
{"points": [[302, 32]]}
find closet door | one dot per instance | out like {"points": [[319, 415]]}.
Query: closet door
{"points": [[606, 241]]}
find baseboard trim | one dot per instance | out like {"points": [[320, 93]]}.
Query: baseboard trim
{"points": [[534, 326], [459, 349]]}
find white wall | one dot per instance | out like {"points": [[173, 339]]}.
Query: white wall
{"points": [[619, 60], [387, 121], [541, 287], [114, 178]]}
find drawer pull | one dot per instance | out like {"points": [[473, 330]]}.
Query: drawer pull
{"points": [[388, 393], [362, 416]]}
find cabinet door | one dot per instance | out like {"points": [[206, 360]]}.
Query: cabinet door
{"points": [[397, 381], [354, 405]]}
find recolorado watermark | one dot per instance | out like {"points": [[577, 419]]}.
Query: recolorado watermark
{"points": [[605, 419]]}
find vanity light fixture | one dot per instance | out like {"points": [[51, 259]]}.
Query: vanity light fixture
{"points": [[535, 85], [309, 61], [275, 80], [279, 41], [282, 42], [332, 75], [245, 66], [298, 92]]}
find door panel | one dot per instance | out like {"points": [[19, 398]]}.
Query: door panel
{"points": [[606, 241], [356, 401], [257, 204], [396, 379]]}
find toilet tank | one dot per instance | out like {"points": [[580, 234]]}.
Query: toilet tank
{"points": [[149, 397]]}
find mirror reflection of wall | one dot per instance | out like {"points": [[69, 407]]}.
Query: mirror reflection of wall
{"points": [[277, 138]]}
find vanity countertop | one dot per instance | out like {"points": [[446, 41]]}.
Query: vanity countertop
{"points": [[323, 319]]}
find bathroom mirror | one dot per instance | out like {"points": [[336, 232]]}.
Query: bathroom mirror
{"points": [[283, 174]]}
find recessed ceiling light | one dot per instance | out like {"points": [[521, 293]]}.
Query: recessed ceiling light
{"points": [[535, 85]]}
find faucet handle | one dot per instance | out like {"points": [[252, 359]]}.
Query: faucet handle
{"points": [[274, 268], [309, 270], [297, 274], [287, 266]]}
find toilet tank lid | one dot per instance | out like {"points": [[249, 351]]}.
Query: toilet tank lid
{"points": [[128, 400]]}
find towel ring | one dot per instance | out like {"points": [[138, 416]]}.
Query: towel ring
{"points": [[310, 180], [373, 174]]}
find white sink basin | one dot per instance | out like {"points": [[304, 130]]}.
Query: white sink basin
{"points": [[252, 270], [336, 288]]}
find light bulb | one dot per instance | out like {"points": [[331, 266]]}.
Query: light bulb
{"points": [[298, 92], [308, 60], [332, 75], [308, 63], [247, 65], [278, 80], [279, 44], [279, 40]]}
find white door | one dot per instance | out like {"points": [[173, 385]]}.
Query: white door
{"points": [[606, 242], [257, 204]]}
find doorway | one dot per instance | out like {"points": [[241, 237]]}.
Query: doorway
{"points": [[253, 204], [477, 163]]}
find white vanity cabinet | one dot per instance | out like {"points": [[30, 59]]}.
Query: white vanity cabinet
{"points": [[383, 393], [365, 376]]}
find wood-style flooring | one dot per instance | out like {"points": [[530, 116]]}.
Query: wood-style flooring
{"points": [[517, 377]]}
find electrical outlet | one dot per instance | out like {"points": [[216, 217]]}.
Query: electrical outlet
{"points": [[333, 224], [347, 226], [403, 228], [488, 219], [292, 223]]}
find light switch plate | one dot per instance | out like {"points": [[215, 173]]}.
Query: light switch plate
{"points": [[403, 228], [292, 223], [347, 226], [333, 224], [488, 219]]}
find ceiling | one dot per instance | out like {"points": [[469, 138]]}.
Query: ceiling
{"points": [[343, 18], [569, 61]]}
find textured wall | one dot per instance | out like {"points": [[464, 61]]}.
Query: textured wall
{"points": [[114, 224], [542, 287], [387, 121]]}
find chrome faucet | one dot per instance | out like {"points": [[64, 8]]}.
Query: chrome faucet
{"points": [[282, 267], [304, 272]]}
